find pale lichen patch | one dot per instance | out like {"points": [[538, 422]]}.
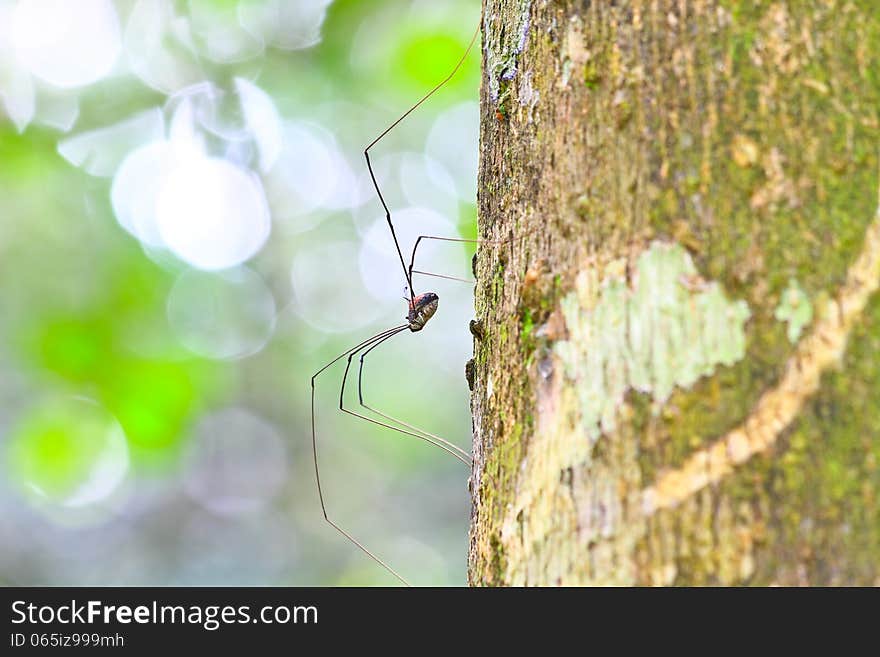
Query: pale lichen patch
{"points": [[779, 406], [576, 55], [528, 95], [795, 309], [666, 328]]}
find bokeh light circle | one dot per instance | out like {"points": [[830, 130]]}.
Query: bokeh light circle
{"points": [[454, 128], [287, 24], [135, 187], [217, 33], [328, 287], [212, 214], [425, 182], [153, 48], [310, 174], [68, 452], [240, 120], [221, 315], [379, 259], [67, 44], [237, 463]]}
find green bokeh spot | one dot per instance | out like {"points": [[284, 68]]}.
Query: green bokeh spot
{"points": [[72, 349], [153, 401], [54, 447], [27, 157], [221, 4], [427, 58]]}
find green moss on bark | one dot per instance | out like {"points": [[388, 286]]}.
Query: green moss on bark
{"points": [[747, 133]]}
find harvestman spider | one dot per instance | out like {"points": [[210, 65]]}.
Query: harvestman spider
{"points": [[421, 307]]}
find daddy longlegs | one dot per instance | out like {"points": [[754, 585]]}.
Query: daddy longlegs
{"points": [[420, 307]]}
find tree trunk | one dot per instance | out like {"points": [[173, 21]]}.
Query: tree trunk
{"points": [[675, 377]]}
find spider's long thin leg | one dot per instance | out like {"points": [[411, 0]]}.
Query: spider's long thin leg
{"points": [[452, 73], [459, 453], [461, 240], [436, 441], [348, 536], [422, 435]]}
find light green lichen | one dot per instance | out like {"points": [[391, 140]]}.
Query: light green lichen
{"points": [[665, 329], [795, 309]]}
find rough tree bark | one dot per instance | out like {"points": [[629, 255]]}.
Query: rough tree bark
{"points": [[676, 375]]}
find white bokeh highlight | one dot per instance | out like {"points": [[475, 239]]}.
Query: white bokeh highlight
{"points": [[328, 290], [223, 315], [108, 471], [211, 213], [67, 44], [452, 141], [166, 43], [26, 99], [425, 182], [192, 189], [158, 47], [108, 467], [16, 83], [261, 120], [136, 187], [311, 174], [218, 34], [286, 24], [100, 152], [242, 124], [380, 263], [237, 463]]}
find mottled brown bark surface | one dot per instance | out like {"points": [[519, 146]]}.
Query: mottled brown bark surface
{"points": [[677, 380]]}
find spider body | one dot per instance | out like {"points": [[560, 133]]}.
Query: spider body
{"points": [[421, 309]]}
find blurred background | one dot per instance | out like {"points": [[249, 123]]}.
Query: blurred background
{"points": [[187, 233]]}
